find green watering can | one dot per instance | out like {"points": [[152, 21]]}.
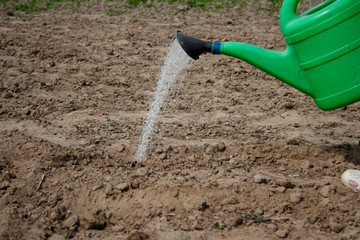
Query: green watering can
{"points": [[322, 58]]}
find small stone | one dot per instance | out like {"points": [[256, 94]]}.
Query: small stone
{"points": [[94, 221], [288, 105], [163, 156], [98, 186], [110, 52], [285, 183], [142, 172], [336, 227], [221, 147], [296, 197], [259, 178], [72, 222], [272, 227], [325, 201], [326, 191], [280, 189], [259, 211], [281, 233], [123, 187], [237, 70]]}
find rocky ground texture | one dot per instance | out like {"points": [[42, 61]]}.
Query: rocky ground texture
{"points": [[236, 154]]}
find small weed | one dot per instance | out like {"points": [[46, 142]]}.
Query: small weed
{"points": [[111, 124], [219, 162], [67, 234], [186, 237], [234, 103], [222, 226], [112, 13], [324, 141], [135, 3], [328, 133], [307, 222], [256, 217]]}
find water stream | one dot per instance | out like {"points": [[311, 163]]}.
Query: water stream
{"points": [[175, 62]]}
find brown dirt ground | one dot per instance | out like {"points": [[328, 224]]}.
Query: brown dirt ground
{"points": [[236, 153]]}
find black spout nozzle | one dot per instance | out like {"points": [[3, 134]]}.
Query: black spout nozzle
{"points": [[192, 46]]}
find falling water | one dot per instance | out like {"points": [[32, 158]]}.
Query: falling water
{"points": [[175, 61]]}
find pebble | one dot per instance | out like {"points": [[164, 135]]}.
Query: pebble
{"points": [[123, 187], [163, 156], [259, 178], [336, 227], [326, 191], [93, 221], [272, 227], [280, 189], [72, 222], [220, 147], [285, 183], [282, 233], [296, 197], [259, 211]]}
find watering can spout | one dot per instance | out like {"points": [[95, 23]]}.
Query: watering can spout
{"points": [[282, 65], [192, 46]]}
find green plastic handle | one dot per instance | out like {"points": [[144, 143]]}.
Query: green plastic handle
{"points": [[288, 13]]}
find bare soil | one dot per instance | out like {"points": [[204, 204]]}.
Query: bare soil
{"points": [[236, 154]]}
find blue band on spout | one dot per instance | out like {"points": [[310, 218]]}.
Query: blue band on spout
{"points": [[216, 48]]}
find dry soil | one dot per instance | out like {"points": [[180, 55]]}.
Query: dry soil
{"points": [[236, 154]]}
